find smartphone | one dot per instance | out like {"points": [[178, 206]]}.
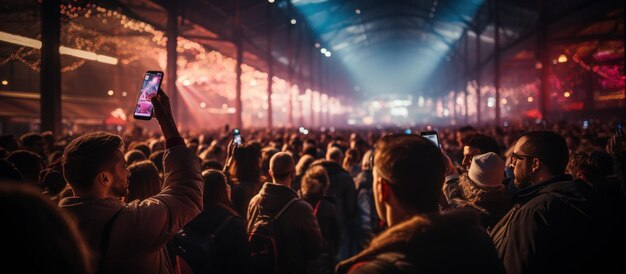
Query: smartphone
{"points": [[407, 131], [151, 85], [432, 136], [585, 124], [236, 136], [619, 130]]}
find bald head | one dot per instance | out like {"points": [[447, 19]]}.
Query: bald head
{"points": [[282, 168]]}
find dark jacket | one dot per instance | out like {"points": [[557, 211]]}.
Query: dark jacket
{"points": [[368, 223], [298, 236], [554, 227], [326, 215], [343, 193], [231, 242], [142, 229], [451, 242]]}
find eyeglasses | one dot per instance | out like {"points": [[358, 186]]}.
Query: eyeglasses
{"points": [[518, 157]]}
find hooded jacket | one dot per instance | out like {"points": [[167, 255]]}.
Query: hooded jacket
{"points": [[451, 242], [142, 229], [298, 236], [555, 226]]}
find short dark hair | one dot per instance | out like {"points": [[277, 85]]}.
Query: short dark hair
{"points": [[88, 155], [211, 164], [143, 147], [29, 139], [592, 162], [9, 172], [214, 188], [144, 181], [28, 163], [414, 167], [549, 147], [157, 159], [133, 156], [466, 129], [482, 142]]}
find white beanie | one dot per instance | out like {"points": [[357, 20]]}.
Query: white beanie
{"points": [[487, 170]]}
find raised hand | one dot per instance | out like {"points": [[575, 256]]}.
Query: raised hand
{"points": [[163, 114]]}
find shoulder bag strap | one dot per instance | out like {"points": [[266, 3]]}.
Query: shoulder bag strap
{"points": [[285, 208], [104, 240], [222, 225], [316, 207]]}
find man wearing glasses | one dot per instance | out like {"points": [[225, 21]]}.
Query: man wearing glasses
{"points": [[554, 225]]}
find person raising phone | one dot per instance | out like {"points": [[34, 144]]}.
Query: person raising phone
{"points": [[131, 237]]}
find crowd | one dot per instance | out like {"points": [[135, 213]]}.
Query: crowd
{"points": [[525, 198]]}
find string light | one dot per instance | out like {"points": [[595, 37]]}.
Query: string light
{"points": [[213, 74]]}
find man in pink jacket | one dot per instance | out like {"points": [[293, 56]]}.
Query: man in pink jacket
{"points": [[131, 238]]}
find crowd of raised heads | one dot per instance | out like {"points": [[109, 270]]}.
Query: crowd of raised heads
{"points": [[521, 198]]}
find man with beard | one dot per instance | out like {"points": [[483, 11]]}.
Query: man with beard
{"points": [[556, 222], [131, 238]]}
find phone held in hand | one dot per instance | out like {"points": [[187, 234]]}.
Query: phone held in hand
{"points": [[619, 130], [432, 136], [237, 137], [151, 85]]}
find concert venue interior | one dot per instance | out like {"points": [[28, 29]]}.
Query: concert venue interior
{"points": [[77, 65]]}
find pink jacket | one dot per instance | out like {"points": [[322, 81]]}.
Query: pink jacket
{"points": [[139, 235]]}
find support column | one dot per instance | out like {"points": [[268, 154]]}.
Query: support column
{"points": [[320, 79], [544, 53], [239, 45], [466, 76], [270, 67], [454, 89], [172, 56], [497, 59], [289, 69], [478, 120], [50, 75], [311, 84]]}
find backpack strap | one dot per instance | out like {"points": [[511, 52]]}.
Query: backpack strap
{"points": [[222, 225], [317, 206], [284, 208], [104, 240]]}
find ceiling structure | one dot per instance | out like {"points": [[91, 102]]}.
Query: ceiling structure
{"points": [[400, 46]]}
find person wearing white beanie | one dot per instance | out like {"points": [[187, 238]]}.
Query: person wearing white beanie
{"points": [[481, 189], [487, 170]]}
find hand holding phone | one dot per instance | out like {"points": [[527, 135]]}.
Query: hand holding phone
{"points": [[237, 137], [432, 136], [150, 87]]}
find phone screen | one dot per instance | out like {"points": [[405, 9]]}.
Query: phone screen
{"points": [[619, 130], [432, 136], [149, 88], [585, 124], [236, 136]]}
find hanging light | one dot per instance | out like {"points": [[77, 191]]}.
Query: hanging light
{"points": [[562, 58]]}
